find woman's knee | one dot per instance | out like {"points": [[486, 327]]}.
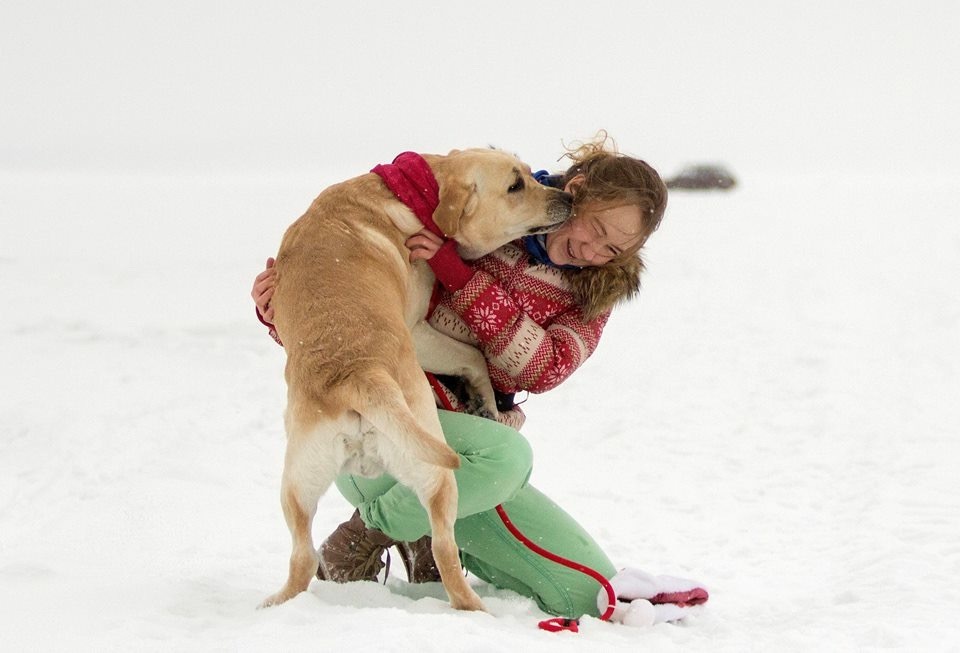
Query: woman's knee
{"points": [[513, 452], [499, 447]]}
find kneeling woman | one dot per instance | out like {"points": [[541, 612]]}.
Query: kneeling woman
{"points": [[536, 308]]}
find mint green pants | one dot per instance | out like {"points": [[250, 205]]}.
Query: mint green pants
{"points": [[495, 466]]}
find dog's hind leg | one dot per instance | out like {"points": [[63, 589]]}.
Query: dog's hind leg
{"points": [[307, 473], [442, 510], [436, 488], [409, 424]]}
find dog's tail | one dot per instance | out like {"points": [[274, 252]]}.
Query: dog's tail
{"points": [[381, 401]]}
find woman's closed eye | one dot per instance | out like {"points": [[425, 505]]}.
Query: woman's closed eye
{"points": [[600, 235]]}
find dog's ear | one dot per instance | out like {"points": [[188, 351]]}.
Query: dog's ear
{"points": [[457, 199]]}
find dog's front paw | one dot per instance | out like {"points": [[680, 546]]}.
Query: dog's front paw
{"points": [[477, 406], [489, 414]]}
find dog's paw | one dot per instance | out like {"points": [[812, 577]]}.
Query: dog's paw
{"points": [[487, 414], [475, 405], [268, 602], [473, 604], [276, 599]]}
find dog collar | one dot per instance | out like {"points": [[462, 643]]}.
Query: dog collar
{"points": [[412, 182]]}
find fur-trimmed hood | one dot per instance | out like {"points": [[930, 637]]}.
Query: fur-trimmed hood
{"points": [[598, 289]]}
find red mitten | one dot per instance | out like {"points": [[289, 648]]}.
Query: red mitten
{"points": [[273, 329], [644, 600], [449, 268]]}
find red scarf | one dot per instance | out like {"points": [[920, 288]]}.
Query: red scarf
{"points": [[413, 183]]}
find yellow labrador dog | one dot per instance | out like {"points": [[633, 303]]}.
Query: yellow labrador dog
{"points": [[349, 307]]}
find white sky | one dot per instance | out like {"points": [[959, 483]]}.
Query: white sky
{"points": [[221, 86]]}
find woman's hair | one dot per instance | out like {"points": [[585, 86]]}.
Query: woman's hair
{"points": [[616, 180]]}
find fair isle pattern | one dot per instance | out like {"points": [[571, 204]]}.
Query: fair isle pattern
{"points": [[523, 317]]}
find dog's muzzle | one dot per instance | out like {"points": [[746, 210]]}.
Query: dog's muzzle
{"points": [[559, 210]]}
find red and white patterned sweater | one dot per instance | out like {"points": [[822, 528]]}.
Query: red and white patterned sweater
{"points": [[523, 317]]}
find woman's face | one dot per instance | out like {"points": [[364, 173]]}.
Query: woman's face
{"points": [[595, 234]]}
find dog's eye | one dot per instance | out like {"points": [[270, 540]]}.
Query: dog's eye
{"points": [[517, 186]]}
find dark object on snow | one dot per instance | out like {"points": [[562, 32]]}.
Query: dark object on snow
{"points": [[703, 177]]}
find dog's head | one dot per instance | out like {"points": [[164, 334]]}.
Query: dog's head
{"points": [[488, 198]]}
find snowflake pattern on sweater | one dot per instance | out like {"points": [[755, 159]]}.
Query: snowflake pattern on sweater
{"points": [[523, 317]]}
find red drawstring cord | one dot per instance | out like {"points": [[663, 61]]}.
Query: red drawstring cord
{"points": [[561, 623], [556, 624]]}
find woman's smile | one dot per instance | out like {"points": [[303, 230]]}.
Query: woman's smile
{"points": [[594, 235]]}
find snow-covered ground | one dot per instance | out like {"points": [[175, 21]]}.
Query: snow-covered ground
{"points": [[776, 416]]}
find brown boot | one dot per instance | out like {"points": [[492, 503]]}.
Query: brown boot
{"points": [[353, 552], [418, 560]]}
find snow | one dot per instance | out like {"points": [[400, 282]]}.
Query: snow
{"points": [[776, 416]]}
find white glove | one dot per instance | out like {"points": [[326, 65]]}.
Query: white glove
{"points": [[644, 600]]}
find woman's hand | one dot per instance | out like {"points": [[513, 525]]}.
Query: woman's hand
{"points": [[263, 287], [423, 245], [442, 257]]}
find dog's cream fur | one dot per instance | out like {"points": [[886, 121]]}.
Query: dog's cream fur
{"points": [[350, 307]]}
